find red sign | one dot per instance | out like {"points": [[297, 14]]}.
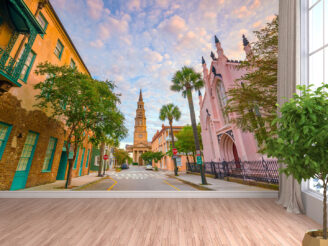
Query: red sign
{"points": [[175, 151], [105, 157]]}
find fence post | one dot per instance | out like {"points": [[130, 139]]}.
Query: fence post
{"points": [[225, 168], [266, 169], [213, 170]]}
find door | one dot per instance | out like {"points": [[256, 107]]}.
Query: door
{"points": [[25, 161], [62, 166], [235, 156], [81, 164]]}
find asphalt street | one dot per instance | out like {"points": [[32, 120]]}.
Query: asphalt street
{"points": [[137, 178]]}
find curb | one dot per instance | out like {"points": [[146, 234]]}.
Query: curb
{"points": [[198, 187], [88, 184]]}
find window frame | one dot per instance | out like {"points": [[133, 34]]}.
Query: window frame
{"points": [[28, 71], [305, 55], [45, 20], [72, 62], [62, 50], [5, 140], [50, 162]]}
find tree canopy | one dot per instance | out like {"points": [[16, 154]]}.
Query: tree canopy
{"points": [[85, 105], [149, 156], [301, 138], [253, 98]]}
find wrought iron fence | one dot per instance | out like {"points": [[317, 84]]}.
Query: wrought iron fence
{"points": [[262, 170]]}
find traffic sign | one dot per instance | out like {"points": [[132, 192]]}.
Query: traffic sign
{"points": [[175, 151], [105, 157], [199, 160]]}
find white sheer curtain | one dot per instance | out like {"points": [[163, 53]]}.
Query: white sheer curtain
{"points": [[288, 76]]}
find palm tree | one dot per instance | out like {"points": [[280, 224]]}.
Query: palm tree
{"points": [[171, 112], [186, 80]]}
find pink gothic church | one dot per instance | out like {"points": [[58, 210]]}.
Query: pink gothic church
{"points": [[222, 140]]}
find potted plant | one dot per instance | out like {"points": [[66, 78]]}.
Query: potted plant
{"points": [[301, 142]]}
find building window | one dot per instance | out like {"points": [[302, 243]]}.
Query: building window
{"points": [[5, 130], [28, 151], [49, 155], [72, 64], [318, 42], [59, 49], [222, 99], [27, 66], [314, 56], [76, 158], [43, 22]]}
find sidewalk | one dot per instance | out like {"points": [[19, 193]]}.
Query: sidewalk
{"points": [[218, 184], [60, 184]]}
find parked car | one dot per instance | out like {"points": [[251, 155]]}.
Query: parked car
{"points": [[149, 167], [125, 166]]}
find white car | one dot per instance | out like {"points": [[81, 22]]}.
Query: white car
{"points": [[149, 167]]}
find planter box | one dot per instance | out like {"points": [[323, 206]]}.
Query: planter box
{"points": [[312, 238]]}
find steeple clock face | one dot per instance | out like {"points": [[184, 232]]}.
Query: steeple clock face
{"points": [[140, 135]]}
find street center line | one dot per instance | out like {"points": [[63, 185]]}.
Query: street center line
{"points": [[115, 182], [171, 185]]}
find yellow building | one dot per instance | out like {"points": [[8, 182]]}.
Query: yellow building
{"points": [[140, 142], [31, 143]]}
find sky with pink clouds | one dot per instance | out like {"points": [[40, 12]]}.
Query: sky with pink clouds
{"points": [[141, 43]]}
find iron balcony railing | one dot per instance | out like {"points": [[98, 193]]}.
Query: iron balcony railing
{"points": [[8, 65], [262, 171]]}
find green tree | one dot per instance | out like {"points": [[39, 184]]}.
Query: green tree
{"points": [[301, 139], [121, 156], [186, 80], [254, 96], [171, 112], [149, 156], [185, 143], [83, 104]]}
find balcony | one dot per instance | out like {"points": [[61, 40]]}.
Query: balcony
{"points": [[17, 20], [8, 68]]}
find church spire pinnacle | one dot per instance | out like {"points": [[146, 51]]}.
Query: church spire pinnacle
{"points": [[140, 96]]}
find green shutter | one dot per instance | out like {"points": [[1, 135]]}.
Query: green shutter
{"points": [[76, 158], [5, 130]]}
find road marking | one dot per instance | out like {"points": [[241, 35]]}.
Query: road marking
{"points": [[171, 185], [115, 182]]}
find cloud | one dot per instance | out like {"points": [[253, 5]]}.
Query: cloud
{"points": [[243, 12], [175, 25], [133, 5], [96, 8], [97, 43]]}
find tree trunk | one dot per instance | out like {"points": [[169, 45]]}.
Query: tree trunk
{"points": [[102, 147], [324, 207], [174, 159], [69, 174], [194, 128], [70, 167]]}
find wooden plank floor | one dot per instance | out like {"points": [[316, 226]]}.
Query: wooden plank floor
{"points": [[149, 222]]}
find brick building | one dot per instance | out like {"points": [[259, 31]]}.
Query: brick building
{"points": [[161, 141], [32, 148]]}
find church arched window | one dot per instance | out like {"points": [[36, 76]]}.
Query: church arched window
{"points": [[222, 98]]}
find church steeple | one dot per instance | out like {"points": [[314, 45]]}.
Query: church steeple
{"points": [[140, 128], [140, 96]]}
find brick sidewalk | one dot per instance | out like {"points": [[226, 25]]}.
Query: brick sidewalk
{"points": [[60, 184]]}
